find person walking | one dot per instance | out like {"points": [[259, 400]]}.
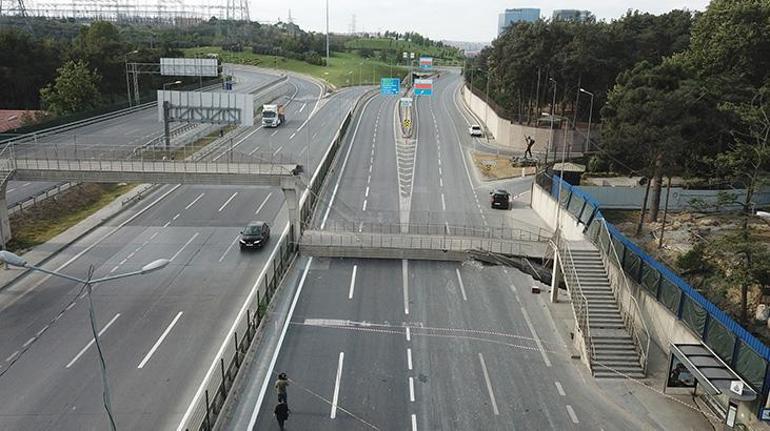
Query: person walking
{"points": [[280, 387], [530, 143], [282, 413]]}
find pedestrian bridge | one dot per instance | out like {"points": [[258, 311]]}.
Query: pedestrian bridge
{"points": [[440, 242]]}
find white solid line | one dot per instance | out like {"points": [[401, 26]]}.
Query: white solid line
{"points": [[228, 201], [537, 339], [303, 107], [443, 202], [414, 422], [278, 150], [408, 334], [462, 286], [366, 194], [364, 207], [409, 357], [274, 133], [28, 342], [344, 163], [10, 358], [221, 258], [90, 343], [337, 386], [183, 247], [572, 415], [262, 391], [411, 389], [263, 203], [405, 281], [352, 282], [160, 340], [560, 389], [489, 384], [194, 201]]}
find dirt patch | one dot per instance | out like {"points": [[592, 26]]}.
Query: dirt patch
{"points": [[492, 167], [40, 223]]}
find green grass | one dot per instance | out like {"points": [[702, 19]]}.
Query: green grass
{"points": [[53, 216], [448, 54], [343, 69]]}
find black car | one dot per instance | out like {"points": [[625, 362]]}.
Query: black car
{"points": [[500, 199], [255, 235]]}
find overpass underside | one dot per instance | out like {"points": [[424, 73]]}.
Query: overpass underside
{"points": [[370, 245]]}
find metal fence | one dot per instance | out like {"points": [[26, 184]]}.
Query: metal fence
{"points": [[746, 354]]}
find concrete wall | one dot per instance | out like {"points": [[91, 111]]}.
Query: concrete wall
{"points": [[512, 135], [545, 207], [628, 198]]}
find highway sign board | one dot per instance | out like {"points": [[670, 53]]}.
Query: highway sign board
{"points": [[426, 63], [406, 101], [390, 86], [423, 87]]}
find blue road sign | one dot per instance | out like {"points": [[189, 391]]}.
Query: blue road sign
{"points": [[390, 86]]}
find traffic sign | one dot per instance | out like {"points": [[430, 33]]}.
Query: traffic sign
{"points": [[390, 86], [406, 102], [423, 87], [426, 63]]}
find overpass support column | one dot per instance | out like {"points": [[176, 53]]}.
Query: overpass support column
{"points": [[292, 201], [556, 277], [5, 224]]}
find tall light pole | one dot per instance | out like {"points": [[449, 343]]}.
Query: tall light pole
{"points": [[15, 260], [590, 115], [327, 33], [553, 106]]}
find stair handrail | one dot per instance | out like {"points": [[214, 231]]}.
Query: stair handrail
{"points": [[630, 320], [579, 301]]}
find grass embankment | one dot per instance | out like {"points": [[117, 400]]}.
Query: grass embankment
{"points": [[344, 69], [442, 56], [40, 223], [494, 167]]}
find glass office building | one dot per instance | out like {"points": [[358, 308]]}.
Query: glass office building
{"points": [[512, 16]]}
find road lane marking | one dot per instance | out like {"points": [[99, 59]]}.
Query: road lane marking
{"points": [[183, 247], [344, 162], [160, 340], [69, 307], [408, 334], [292, 135], [28, 342], [537, 339], [221, 258], [263, 203], [90, 343], [303, 107], [489, 384], [414, 422], [274, 133], [154, 235], [411, 388], [277, 151], [13, 355], [167, 224], [366, 194], [227, 201], [114, 268], [441, 181], [352, 282], [443, 202], [25, 184], [251, 153], [460, 280], [238, 143], [175, 217], [194, 201], [337, 386], [364, 207], [405, 281], [409, 357], [572, 415], [560, 389]]}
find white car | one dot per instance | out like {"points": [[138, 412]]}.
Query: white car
{"points": [[475, 130]]}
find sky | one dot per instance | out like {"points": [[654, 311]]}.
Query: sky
{"points": [[463, 20]]}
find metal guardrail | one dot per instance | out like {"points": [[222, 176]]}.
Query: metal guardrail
{"points": [[579, 301], [629, 309]]}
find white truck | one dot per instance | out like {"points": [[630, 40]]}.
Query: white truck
{"points": [[273, 115]]}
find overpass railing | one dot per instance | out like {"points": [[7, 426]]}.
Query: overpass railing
{"points": [[741, 350]]}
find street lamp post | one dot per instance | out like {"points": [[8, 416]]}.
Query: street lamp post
{"points": [[15, 260], [590, 117]]}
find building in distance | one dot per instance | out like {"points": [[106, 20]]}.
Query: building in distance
{"points": [[512, 16], [571, 15]]}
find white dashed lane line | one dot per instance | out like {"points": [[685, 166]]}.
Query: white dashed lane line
{"points": [[560, 389], [573, 417]]}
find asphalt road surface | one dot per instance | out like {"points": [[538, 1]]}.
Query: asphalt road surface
{"points": [[133, 129], [395, 345], [159, 331]]}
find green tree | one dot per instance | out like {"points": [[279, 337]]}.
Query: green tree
{"points": [[75, 89]]}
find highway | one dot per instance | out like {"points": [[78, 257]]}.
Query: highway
{"points": [[159, 331], [394, 345], [134, 129]]}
